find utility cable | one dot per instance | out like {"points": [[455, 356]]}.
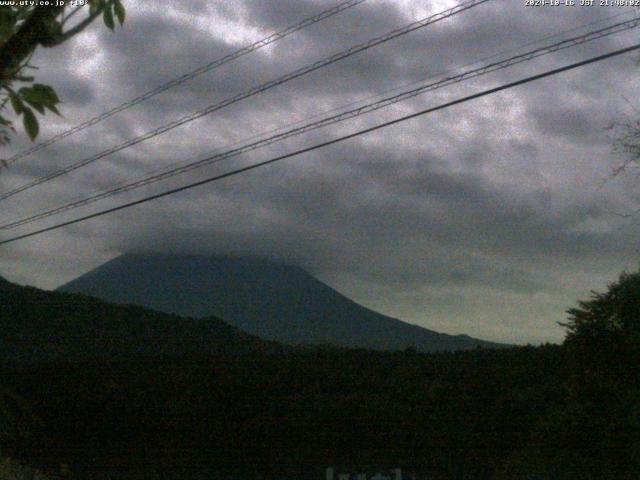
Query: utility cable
{"points": [[253, 91], [254, 166], [383, 103], [188, 76]]}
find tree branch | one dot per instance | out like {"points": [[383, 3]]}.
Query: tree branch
{"points": [[58, 39], [67, 17], [32, 32]]}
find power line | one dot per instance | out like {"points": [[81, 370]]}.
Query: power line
{"points": [[327, 143], [253, 91], [188, 76], [590, 36], [368, 108]]}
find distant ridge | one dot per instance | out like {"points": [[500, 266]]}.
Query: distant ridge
{"points": [[270, 300], [37, 325]]}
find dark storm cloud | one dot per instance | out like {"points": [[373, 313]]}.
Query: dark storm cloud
{"points": [[453, 221]]}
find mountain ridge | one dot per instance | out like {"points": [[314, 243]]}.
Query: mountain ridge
{"points": [[38, 325], [271, 300]]}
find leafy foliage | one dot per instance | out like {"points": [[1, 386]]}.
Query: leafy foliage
{"points": [[610, 319], [23, 28]]}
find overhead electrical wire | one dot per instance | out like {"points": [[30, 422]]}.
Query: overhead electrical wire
{"points": [[81, 199], [368, 108], [333, 141], [616, 28], [188, 76], [253, 91]]}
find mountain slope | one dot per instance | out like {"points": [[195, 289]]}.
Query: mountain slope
{"points": [[39, 325], [272, 301]]}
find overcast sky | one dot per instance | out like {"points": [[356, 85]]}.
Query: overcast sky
{"points": [[489, 218]]}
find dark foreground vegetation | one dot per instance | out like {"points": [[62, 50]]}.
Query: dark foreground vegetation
{"points": [[570, 411]]}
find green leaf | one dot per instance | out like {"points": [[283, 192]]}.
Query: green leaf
{"points": [[118, 8], [108, 18], [38, 106], [53, 109], [40, 93], [32, 99], [30, 123], [41, 96], [47, 92], [16, 102]]}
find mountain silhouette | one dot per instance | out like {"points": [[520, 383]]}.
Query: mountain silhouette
{"points": [[37, 325], [270, 300]]}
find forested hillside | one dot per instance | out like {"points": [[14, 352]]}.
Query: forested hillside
{"points": [[37, 325], [549, 412], [482, 414]]}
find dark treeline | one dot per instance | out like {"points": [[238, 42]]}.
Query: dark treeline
{"points": [[548, 412], [478, 414]]}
